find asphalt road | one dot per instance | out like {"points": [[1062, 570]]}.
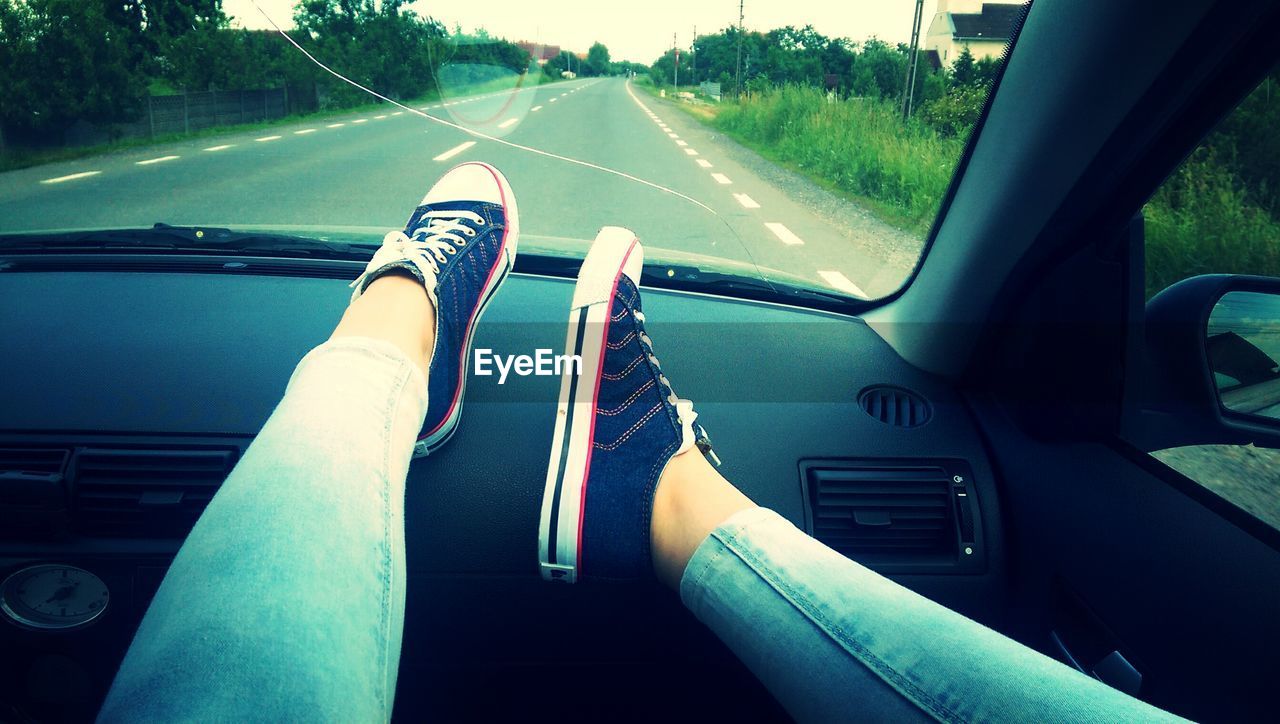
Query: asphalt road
{"points": [[369, 170]]}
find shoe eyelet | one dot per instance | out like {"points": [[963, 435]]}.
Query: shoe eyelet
{"points": [[480, 221]]}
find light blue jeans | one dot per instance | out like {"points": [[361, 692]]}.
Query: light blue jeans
{"points": [[286, 602]]}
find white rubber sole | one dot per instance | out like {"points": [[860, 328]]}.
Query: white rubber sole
{"points": [[433, 441], [616, 251]]}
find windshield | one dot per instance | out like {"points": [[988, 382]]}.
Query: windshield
{"points": [[804, 142]]}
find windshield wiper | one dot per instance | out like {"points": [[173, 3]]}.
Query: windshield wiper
{"points": [[184, 239], [696, 278]]}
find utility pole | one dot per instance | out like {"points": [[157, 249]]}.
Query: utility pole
{"points": [[693, 55], [913, 61], [737, 81]]}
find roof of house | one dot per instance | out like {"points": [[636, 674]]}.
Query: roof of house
{"points": [[995, 22]]}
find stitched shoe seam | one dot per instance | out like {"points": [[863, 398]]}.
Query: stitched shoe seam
{"points": [[623, 407], [627, 435]]}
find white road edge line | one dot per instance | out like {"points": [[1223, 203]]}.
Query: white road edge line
{"points": [[842, 283], [508, 123], [454, 151], [721, 178], [746, 201], [70, 177], [223, 147], [162, 159], [785, 235]]}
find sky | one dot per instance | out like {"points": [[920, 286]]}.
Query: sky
{"points": [[640, 30]]}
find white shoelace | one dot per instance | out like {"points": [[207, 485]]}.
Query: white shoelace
{"points": [[428, 246]]}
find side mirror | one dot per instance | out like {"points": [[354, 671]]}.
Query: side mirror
{"points": [[1242, 342], [1210, 372]]}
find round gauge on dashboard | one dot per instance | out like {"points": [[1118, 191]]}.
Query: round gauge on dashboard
{"points": [[53, 597]]}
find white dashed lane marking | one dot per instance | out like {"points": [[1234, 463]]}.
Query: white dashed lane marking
{"points": [[691, 152], [508, 123], [267, 138], [379, 118], [223, 147], [704, 163], [361, 120], [785, 235], [162, 159], [304, 131], [335, 125], [553, 100], [682, 143], [671, 135], [398, 113], [70, 177], [842, 283], [721, 178], [454, 151], [746, 201], [535, 109]]}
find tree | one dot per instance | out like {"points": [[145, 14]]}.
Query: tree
{"points": [[597, 60], [963, 70], [64, 61]]}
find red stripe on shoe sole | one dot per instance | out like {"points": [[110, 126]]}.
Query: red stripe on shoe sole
{"points": [[466, 340], [595, 402]]}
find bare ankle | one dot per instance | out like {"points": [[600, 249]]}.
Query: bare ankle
{"points": [[395, 308], [691, 501]]}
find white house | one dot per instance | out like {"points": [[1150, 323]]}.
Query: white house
{"points": [[984, 27]]}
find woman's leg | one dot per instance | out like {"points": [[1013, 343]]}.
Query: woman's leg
{"points": [[835, 641], [287, 599]]}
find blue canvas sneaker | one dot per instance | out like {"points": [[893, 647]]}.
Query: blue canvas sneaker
{"points": [[460, 243], [618, 423]]}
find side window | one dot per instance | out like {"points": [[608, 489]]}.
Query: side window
{"points": [[1220, 213]]}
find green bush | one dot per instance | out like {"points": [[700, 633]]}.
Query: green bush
{"points": [[1202, 221], [860, 146]]}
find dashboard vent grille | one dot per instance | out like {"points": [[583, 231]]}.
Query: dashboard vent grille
{"points": [[885, 509], [145, 493], [37, 461], [895, 406], [897, 515]]}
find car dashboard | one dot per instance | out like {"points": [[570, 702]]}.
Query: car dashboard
{"points": [[129, 390]]}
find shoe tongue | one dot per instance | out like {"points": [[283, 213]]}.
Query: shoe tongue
{"points": [[687, 417]]}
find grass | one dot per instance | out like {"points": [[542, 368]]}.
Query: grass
{"points": [[1201, 221], [17, 158], [859, 147]]}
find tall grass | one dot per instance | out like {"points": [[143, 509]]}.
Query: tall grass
{"points": [[859, 146], [1202, 221]]}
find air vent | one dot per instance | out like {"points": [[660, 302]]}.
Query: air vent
{"points": [[33, 496], [895, 406], [145, 493], [895, 515], [36, 461]]}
